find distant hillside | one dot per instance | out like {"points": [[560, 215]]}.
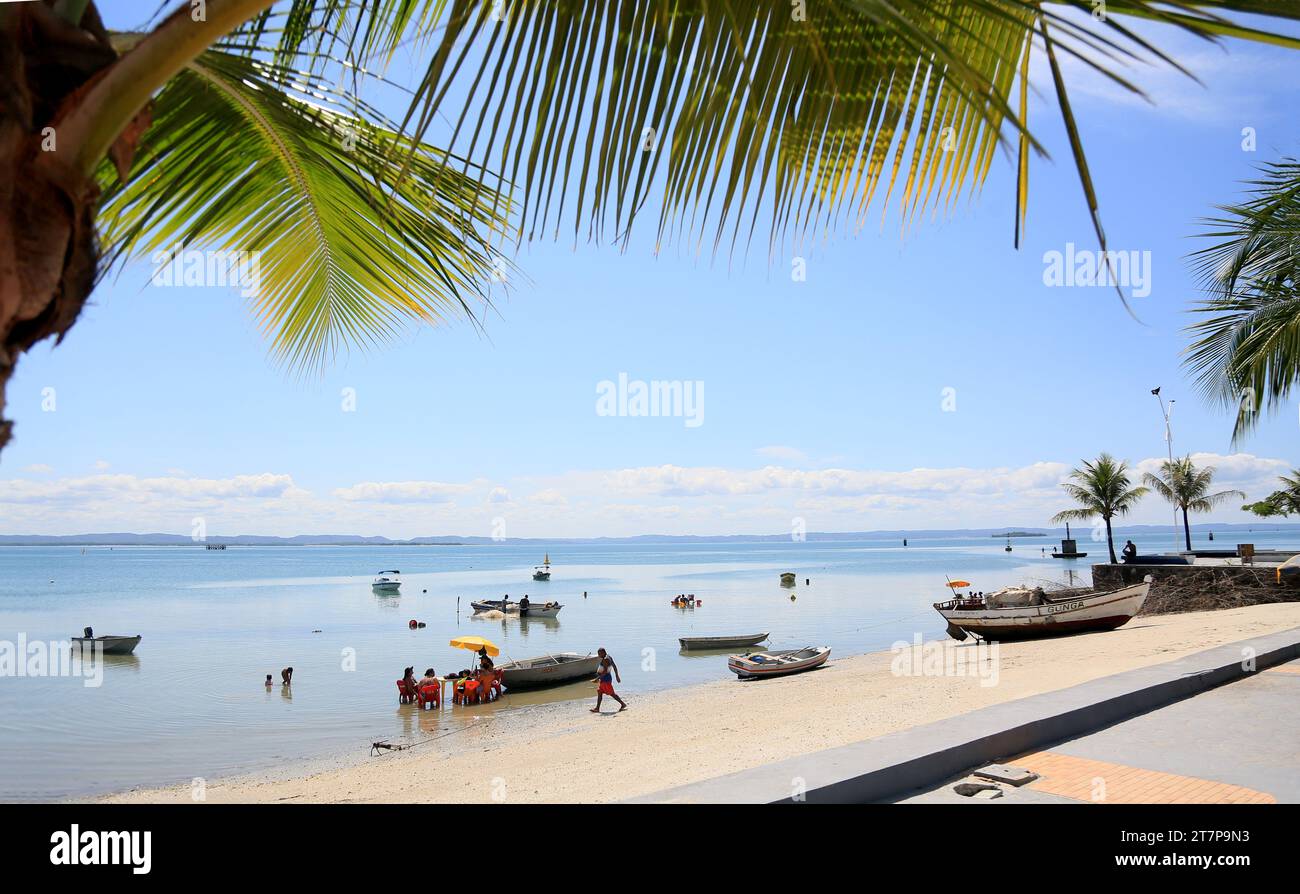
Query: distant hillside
{"points": [[128, 539]]}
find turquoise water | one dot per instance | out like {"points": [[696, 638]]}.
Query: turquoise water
{"points": [[191, 702]]}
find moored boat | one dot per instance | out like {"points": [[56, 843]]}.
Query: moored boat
{"points": [[778, 663], [1022, 613], [543, 571], [535, 609], [721, 642], [787, 579], [110, 645], [386, 582], [548, 670]]}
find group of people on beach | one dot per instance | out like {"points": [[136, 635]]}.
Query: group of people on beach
{"points": [[606, 674]]}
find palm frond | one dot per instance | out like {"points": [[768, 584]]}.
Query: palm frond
{"points": [[249, 155], [742, 112], [1246, 348]]}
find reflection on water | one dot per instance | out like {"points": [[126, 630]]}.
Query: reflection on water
{"points": [[191, 701]]}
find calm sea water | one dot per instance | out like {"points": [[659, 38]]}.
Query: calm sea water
{"points": [[192, 703]]}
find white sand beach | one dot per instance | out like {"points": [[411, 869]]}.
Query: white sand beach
{"points": [[684, 735]]}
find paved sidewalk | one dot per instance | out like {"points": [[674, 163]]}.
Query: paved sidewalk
{"points": [[1239, 743]]}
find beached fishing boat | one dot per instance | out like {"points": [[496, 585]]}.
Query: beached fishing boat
{"points": [[779, 663], [111, 645], [386, 582], [543, 571], [721, 642], [535, 609], [1024, 613], [549, 670]]}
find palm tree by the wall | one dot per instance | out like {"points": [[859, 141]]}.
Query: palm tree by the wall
{"points": [[1283, 502], [1246, 347], [1181, 483], [1102, 488], [239, 125]]}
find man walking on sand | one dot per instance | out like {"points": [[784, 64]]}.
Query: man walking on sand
{"points": [[604, 683]]}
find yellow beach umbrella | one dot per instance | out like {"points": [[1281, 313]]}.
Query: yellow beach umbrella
{"points": [[474, 643]]}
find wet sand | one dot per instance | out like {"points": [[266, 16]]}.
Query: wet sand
{"points": [[563, 753]]}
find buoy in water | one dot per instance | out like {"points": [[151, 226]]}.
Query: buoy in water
{"points": [[413, 624]]}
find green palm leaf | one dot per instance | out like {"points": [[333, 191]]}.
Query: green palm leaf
{"points": [[756, 111], [246, 154], [1246, 347]]}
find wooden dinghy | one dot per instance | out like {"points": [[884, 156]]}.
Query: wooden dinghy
{"points": [[1041, 614], [535, 609], [778, 663], [721, 642], [548, 670]]}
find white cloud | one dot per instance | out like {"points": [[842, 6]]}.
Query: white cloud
{"points": [[130, 488], [550, 497], [38, 469], [401, 492], [667, 499]]}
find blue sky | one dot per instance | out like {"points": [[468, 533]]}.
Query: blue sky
{"points": [[823, 399]]}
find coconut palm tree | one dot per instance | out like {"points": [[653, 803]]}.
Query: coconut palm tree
{"points": [[239, 125], [1188, 488], [1246, 347], [1101, 488], [1281, 502]]}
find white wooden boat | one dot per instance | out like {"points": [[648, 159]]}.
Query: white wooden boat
{"points": [[1044, 615], [535, 609], [111, 645], [387, 582], [778, 663], [549, 670], [543, 571], [721, 642]]}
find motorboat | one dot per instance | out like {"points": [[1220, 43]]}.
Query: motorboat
{"points": [[548, 670], [721, 642], [779, 663], [1029, 613], [108, 645], [387, 582], [543, 571]]}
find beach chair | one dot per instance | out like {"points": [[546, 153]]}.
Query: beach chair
{"points": [[406, 694], [429, 696]]}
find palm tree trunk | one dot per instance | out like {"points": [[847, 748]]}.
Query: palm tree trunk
{"points": [[1187, 530], [65, 98], [1110, 542], [48, 255]]}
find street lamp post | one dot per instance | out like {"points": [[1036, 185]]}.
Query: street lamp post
{"points": [[1167, 411]]}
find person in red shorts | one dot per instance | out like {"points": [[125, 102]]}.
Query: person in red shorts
{"points": [[606, 673]]}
